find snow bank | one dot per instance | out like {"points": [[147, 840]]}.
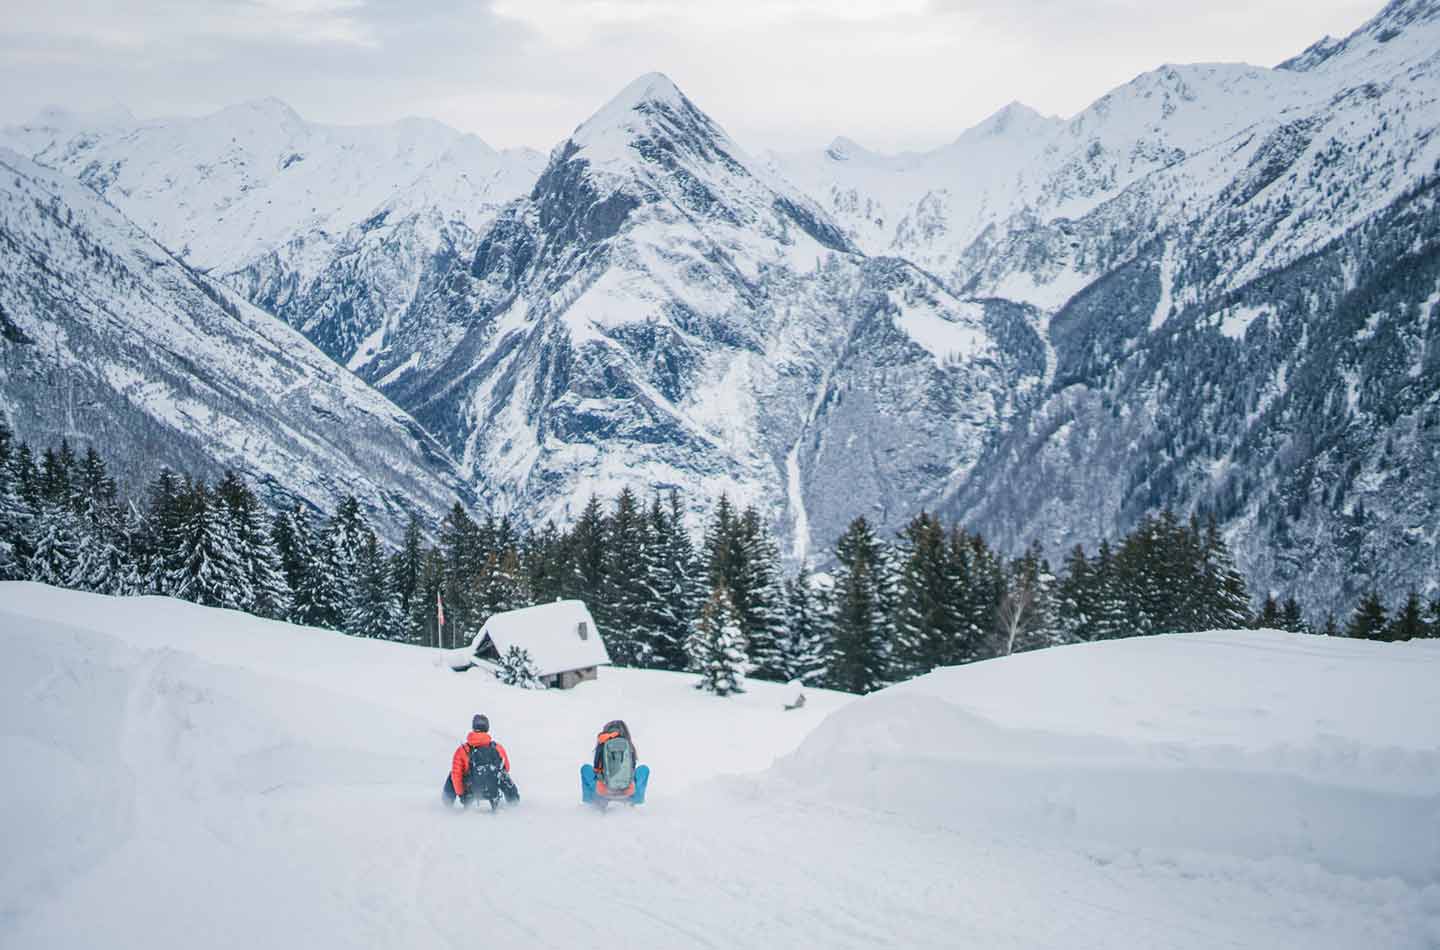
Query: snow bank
{"points": [[174, 773], [1256, 744]]}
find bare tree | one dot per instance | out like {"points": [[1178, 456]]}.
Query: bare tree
{"points": [[1014, 610]]}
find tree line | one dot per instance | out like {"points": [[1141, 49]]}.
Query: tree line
{"points": [[720, 605]]}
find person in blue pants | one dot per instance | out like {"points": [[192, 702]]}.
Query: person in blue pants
{"points": [[613, 774]]}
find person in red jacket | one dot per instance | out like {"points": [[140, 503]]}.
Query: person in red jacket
{"points": [[459, 783]]}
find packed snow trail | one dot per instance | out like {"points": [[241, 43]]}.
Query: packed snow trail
{"points": [[185, 775]]}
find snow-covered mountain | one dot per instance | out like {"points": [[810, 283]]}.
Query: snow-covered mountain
{"points": [[1260, 340], [662, 310], [1212, 289], [325, 226], [107, 339], [1222, 789]]}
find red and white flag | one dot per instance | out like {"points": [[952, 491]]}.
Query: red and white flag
{"points": [[439, 610]]}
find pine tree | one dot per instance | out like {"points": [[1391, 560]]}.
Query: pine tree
{"points": [[1432, 623], [53, 542], [270, 594], [169, 499], [627, 593], [717, 647], [678, 581], [759, 596], [210, 571], [1369, 620], [1409, 623], [1227, 604], [405, 569], [927, 628], [102, 562], [858, 661], [587, 558], [1291, 618], [323, 598], [293, 538], [1075, 605], [546, 562], [15, 511], [805, 640], [373, 610], [1269, 616], [515, 668]]}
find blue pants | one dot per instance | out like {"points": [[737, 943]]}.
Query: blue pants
{"points": [[589, 794]]}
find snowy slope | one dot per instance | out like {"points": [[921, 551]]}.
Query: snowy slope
{"points": [[272, 784], [108, 340], [303, 218]]}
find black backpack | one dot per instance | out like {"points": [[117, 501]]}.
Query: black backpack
{"points": [[485, 768]]}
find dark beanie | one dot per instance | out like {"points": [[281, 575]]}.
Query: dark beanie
{"points": [[480, 723]]}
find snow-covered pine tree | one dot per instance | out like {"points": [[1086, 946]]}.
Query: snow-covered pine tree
{"points": [[1227, 600], [516, 668], [586, 580], [717, 647], [974, 588], [373, 610], [926, 628], [1269, 616], [499, 587], [627, 594], [168, 499], [134, 579], [1113, 606], [858, 661], [15, 511], [269, 588], [1074, 598], [677, 574], [210, 569], [405, 566], [102, 561], [322, 598], [761, 610], [293, 537], [53, 543], [805, 635]]}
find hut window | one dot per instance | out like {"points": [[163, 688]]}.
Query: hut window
{"points": [[583, 629]]}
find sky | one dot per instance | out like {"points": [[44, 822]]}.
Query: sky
{"points": [[787, 74]]}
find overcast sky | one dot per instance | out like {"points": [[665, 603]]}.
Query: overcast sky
{"points": [[892, 74]]}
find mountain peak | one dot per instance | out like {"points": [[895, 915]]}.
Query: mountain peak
{"points": [[1015, 118], [651, 87], [650, 105]]}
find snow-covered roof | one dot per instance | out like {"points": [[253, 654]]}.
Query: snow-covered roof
{"points": [[551, 634]]}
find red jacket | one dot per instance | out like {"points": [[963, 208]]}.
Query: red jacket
{"points": [[460, 764]]}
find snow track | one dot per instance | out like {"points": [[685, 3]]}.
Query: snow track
{"points": [[266, 785]]}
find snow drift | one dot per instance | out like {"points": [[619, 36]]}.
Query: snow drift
{"points": [[1257, 744]]}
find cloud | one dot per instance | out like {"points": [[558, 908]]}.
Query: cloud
{"points": [[889, 73]]}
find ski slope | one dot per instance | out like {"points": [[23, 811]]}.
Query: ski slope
{"points": [[176, 775]]}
